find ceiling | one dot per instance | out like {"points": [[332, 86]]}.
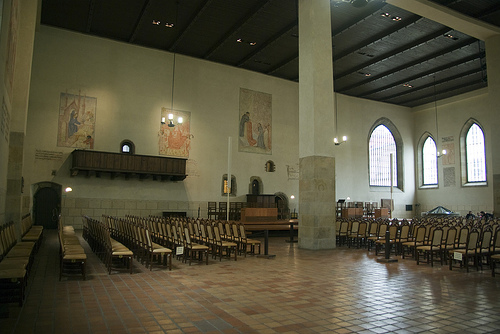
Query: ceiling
{"points": [[381, 52]]}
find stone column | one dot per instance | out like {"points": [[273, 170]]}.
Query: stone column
{"points": [[493, 68], [27, 20], [316, 124]]}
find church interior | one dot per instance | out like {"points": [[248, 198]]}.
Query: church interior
{"points": [[257, 166]]}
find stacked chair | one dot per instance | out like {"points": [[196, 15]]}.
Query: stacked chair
{"points": [[16, 259], [71, 253]]}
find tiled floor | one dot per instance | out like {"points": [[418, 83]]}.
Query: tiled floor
{"points": [[298, 291]]}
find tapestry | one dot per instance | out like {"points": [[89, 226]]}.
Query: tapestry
{"points": [[175, 141], [76, 121], [255, 121]]}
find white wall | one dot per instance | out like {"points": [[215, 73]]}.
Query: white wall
{"points": [[355, 119], [131, 85], [452, 115]]}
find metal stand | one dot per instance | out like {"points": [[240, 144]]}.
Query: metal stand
{"points": [[292, 234], [387, 258], [266, 247]]}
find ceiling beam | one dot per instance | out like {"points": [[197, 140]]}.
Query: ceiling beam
{"points": [[373, 39], [237, 26], [192, 20], [138, 22], [268, 42], [401, 49], [415, 62], [343, 28], [420, 75], [421, 100], [448, 17], [447, 79], [91, 16]]}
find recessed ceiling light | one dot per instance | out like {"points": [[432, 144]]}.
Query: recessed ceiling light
{"points": [[396, 18], [407, 85], [450, 36], [386, 15], [169, 25], [156, 22], [241, 40]]}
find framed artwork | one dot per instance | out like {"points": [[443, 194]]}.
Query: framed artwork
{"points": [[175, 141], [255, 122], [76, 121]]}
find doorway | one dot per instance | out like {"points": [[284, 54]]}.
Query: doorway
{"points": [[47, 204], [281, 201]]}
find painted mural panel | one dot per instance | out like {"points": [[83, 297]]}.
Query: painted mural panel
{"points": [[255, 128], [175, 141], [76, 121]]}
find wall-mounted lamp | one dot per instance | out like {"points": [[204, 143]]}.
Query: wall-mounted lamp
{"points": [[68, 189], [440, 154], [335, 112], [337, 142]]}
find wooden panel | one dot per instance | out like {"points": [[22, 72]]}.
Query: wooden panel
{"points": [[259, 214], [352, 212], [382, 213], [128, 163]]}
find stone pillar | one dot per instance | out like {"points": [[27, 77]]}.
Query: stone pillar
{"points": [[493, 68], [316, 124], [27, 21]]}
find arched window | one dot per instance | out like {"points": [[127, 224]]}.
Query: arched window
{"points": [[127, 146], [429, 162], [384, 141], [475, 154]]}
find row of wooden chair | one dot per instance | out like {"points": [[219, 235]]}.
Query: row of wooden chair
{"points": [[193, 237], [140, 240], [109, 250], [71, 253], [454, 240], [215, 234], [16, 259]]}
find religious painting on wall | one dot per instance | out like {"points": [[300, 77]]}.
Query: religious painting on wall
{"points": [[255, 122], [175, 140], [76, 121]]}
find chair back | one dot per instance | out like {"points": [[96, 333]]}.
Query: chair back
{"points": [[344, 226], [486, 240], [404, 232], [373, 228], [381, 230], [420, 234], [362, 229], [393, 231], [496, 241], [354, 227], [451, 235], [463, 236], [472, 240], [437, 237], [187, 237]]}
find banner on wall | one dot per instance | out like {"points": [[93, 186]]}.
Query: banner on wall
{"points": [[175, 141], [255, 126], [76, 121]]}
